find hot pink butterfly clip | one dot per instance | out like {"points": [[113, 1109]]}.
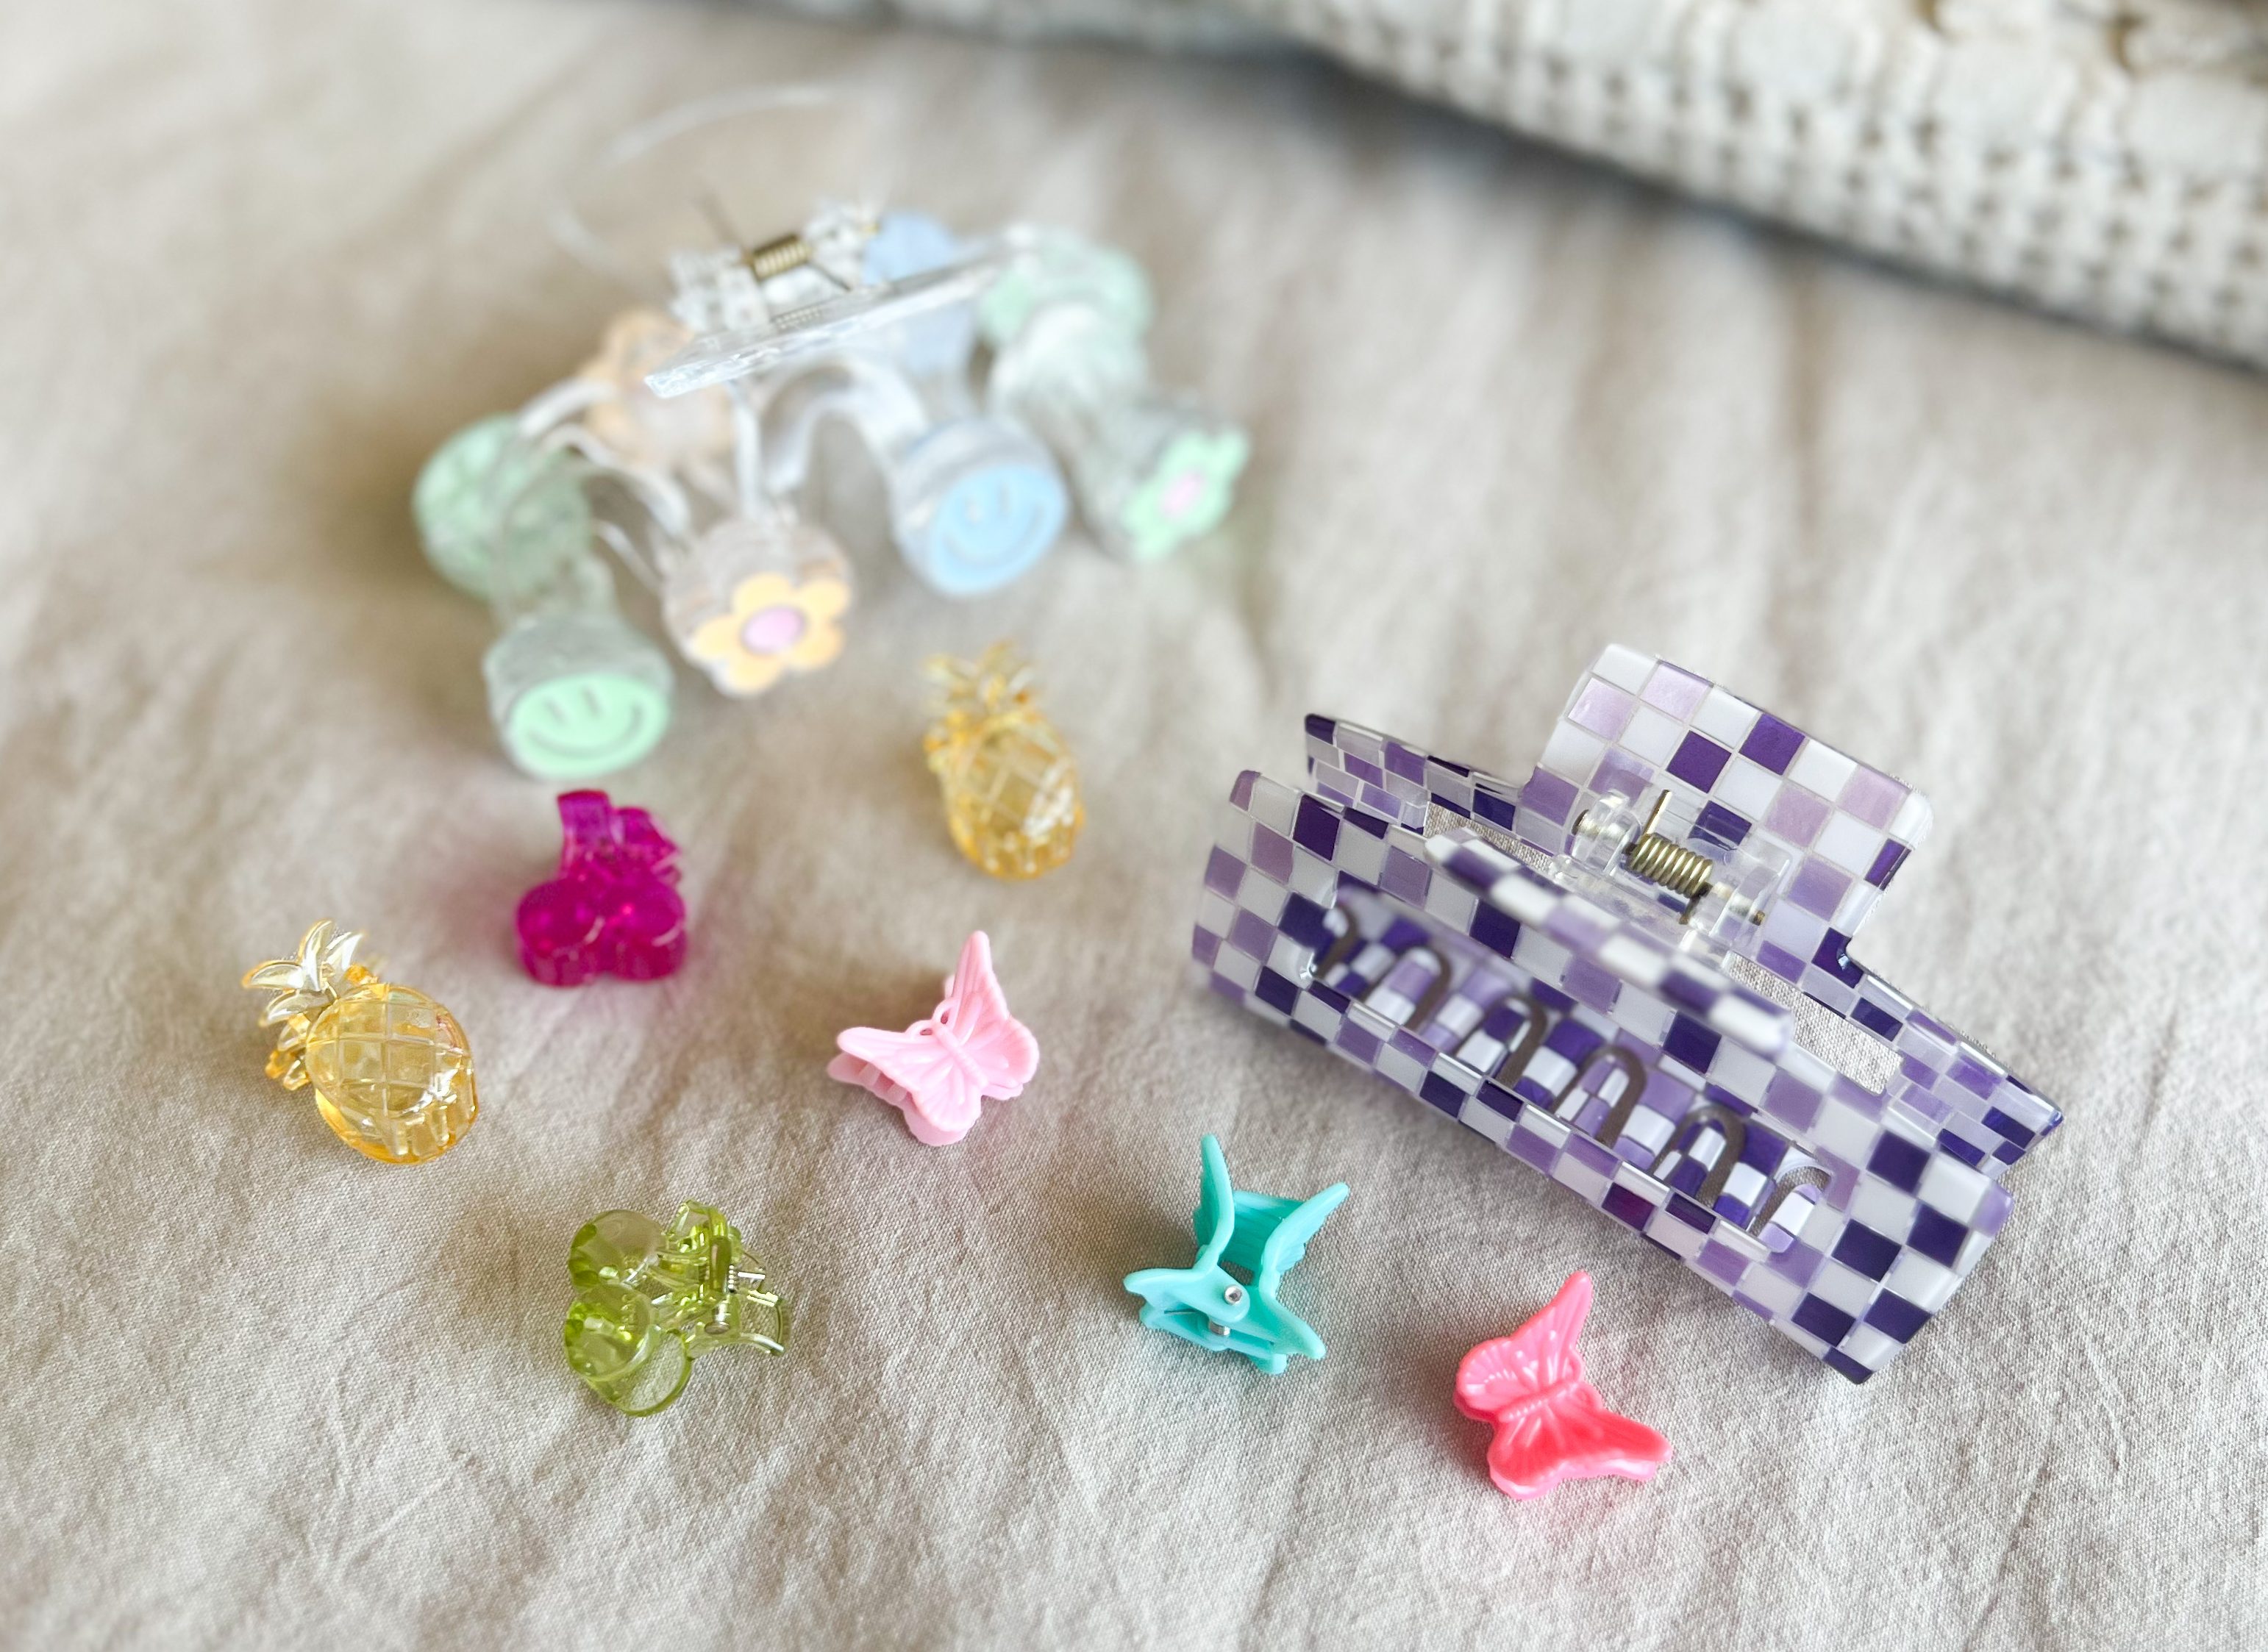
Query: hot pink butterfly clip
{"points": [[941, 1072], [1549, 1425]]}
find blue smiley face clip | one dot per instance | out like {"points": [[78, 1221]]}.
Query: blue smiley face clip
{"points": [[1226, 1301]]}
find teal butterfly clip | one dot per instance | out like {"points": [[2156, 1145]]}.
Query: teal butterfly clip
{"points": [[1246, 1243]]}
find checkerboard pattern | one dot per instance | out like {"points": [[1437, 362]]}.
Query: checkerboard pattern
{"points": [[1589, 1045], [1636, 726]]}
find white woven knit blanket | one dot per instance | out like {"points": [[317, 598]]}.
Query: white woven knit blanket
{"points": [[2103, 159]]}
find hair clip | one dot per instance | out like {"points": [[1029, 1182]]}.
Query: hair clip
{"points": [[1011, 787], [514, 509], [649, 1302], [391, 1070], [881, 309], [504, 512], [459, 488], [941, 1072], [1549, 1424], [975, 500], [1633, 974], [803, 296], [687, 435], [613, 909], [748, 591], [758, 598], [1065, 320], [1261, 1237]]}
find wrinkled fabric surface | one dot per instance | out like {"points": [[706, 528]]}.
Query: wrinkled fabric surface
{"points": [[261, 257]]}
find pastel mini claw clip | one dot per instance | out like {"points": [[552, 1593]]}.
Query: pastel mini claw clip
{"points": [[613, 909], [391, 1069], [865, 318], [1011, 787], [1632, 973], [975, 499], [517, 510], [940, 1071], [1550, 1425], [968, 441], [1065, 320], [649, 1301], [1227, 1299], [682, 449]]}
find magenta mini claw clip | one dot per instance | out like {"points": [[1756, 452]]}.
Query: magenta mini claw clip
{"points": [[613, 909]]}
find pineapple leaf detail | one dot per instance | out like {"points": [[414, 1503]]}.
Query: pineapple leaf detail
{"points": [[303, 986]]}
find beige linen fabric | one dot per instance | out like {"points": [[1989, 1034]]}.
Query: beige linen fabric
{"points": [[260, 257]]}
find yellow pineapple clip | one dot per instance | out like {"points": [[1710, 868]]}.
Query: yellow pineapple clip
{"points": [[392, 1070], [1011, 787]]}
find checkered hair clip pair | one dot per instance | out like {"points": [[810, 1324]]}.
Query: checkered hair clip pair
{"points": [[1633, 974]]}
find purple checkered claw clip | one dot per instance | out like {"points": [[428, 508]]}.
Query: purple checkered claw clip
{"points": [[1634, 974], [613, 909]]}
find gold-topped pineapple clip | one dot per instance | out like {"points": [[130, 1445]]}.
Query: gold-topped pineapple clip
{"points": [[391, 1070], [1011, 787]]}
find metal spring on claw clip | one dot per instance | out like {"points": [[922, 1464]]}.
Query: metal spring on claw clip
{"points": [[782, 254], [1683, 871]]}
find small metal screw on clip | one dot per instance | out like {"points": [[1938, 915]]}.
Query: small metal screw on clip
{"points": [[1235, 1298]]}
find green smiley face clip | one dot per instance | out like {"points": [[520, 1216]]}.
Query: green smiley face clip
{"points": [[574, 691], [579, 699]]}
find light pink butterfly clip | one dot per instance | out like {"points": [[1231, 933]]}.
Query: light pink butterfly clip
{"points": [[941, 1072], [1549, 1425]]}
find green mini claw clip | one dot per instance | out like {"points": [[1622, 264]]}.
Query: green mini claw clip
{"points": [[649, 1301], [1246, 1243]]}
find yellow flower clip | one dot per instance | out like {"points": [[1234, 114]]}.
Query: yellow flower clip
{"points": [[776, 624]]}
